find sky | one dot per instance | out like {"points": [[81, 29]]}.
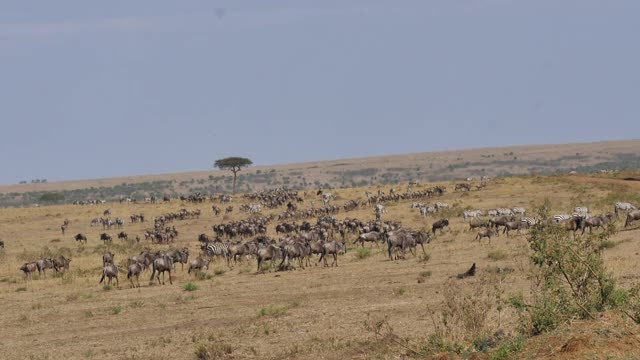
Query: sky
{"points": [[119, 88]]}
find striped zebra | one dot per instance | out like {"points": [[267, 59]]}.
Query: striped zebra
{"points": [[473, 214], [581, 210], [519, 210], [492, 212], [441, 205], [426, 210], [561, 217], [217, 248], [624, 206], [504, 211], [528, 222]]}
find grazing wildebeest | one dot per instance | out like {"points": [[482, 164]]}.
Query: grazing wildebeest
{"points": [[372, 236], [122, 236], [198, 264], [631, 217], [61, 263], [43, 265], [107, 212], [105, 237], [440, 224], [597, 222], [81, 237], [107, 258], [269, 252], [161, 265], [135, 269], [110, 271], [29, 269], [488, 233], [1, 244]]}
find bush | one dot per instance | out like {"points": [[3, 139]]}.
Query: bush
{"points": [[363, 253], [272, 310], [214, 350], [497, 255], [116, 310], [569, 280], [190, 286]]}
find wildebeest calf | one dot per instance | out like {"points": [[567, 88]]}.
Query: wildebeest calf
{"points": [[488, 233]]}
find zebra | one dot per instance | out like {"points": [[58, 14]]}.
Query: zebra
{"points": [[561, 217], [624, 206], [441, 205], [471, 214], [504, 211], [217, 248], [528, 222], [492, 212], [119, 223], [581, 210], [426, 210], [255, 208], [519, 210]]}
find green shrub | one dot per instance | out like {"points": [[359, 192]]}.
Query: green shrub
{"points": [[116, 310], [363, 253], [190, 286]]}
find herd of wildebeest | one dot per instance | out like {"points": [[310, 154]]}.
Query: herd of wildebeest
{"points": [[299, 241]]}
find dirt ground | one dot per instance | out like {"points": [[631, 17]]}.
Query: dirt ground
{"points": [[315, 313]]}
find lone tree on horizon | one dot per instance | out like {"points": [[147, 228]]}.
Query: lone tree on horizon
{"points": [[233, 164]]}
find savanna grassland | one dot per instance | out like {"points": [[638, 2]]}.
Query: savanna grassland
{"points": [[329, 313]]}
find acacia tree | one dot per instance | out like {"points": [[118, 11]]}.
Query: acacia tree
{"points": [[233, 164]]}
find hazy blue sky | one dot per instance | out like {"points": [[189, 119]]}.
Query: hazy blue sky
{"points": [[95, 89]]}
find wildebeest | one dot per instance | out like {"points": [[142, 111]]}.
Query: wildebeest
{"points": [[123, 236], [1, 244], [81, 237], [105, 237], [198, 264], [399, 240], [269, 252], [29, 269], [294, 250], [498, 221], [161, 265], [109, 271], [372, 236], [440, 224], [597, 222], [107, 258], [512, 225], [334, 248], [135, 269], [43, 265], [462, 186], [488, 233], [631, 217], [61, 263]]}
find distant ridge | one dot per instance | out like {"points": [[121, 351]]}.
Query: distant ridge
{"points": [[389, 169]]}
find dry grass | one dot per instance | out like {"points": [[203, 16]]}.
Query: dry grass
{"points": [[313, 313]]}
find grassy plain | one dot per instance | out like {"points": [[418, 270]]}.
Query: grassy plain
{"points": [[235, 313]]}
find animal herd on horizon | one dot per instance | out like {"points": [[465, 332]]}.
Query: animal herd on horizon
{"points": [[297, 244]]}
